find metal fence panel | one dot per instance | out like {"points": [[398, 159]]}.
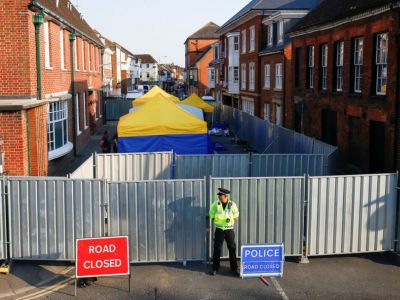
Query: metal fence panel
{"points": [[47, 215], [134, 166], [85, 170], [274, 165], [217, 165], [2, 220], [165, 220], [351, 214], [116, 108], [270, 210]]}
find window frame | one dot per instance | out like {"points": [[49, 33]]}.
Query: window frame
{"points": [[310, 66], [279, 76], [252, 71], [381, 64], [358, 64], [244, 41], [339, 63], [77, 116], [267, 76], [244, 76], [280, 37], [252, 39], [324, 66], [270, 37], [47, 46]]}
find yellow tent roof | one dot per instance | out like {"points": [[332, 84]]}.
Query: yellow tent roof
{"points": [[160, 116], [154, 92], [196, 101]]}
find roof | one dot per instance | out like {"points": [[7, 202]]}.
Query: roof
{"points": [[160, 116], [273, 5], [333, 10], [208, 31], [146, 58], [127, 51], [200, 57], [66, 11]]}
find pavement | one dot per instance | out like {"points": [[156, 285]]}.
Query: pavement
{"points": [[369, 276]]}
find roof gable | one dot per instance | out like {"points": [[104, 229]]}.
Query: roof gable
{"points": [[208, 31]]}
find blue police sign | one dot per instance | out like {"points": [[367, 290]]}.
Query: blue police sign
{"points": [[262, 260]]}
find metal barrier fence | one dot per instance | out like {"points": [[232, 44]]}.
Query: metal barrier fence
{"points": [[271, 210], [275, 165], [47, 215], [351, 214], [217, 165], [267, 137], [165, 220], [134, 166], [3, 240], [85, 170], [116, 108]]}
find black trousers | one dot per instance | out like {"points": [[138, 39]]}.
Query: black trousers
{"points": [[229, 237]]}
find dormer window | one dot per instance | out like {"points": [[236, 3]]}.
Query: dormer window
{"points": [[280, 32], [270, 35]]}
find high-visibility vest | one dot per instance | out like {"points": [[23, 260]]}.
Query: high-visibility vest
{"points": [[220, 215]]}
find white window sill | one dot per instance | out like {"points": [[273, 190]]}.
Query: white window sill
{"points": [[64, 150], [278, 89], [64, 69], [267, 88], [49, 68], [86, 127], [380, 94], [78, 133]]}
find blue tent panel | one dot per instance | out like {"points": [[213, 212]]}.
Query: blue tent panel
{"points": [[179, 143]]}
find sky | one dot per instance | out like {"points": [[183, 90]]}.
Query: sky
{"points": [[157, 27]]}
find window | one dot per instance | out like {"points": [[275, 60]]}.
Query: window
{"points": [[252, 38], [62, 53], [310, 67], [83, 55], [216, 53], [236, 43], [85, 123], [266, 112], [358, 50], [89, 57], [244, 79], [244, 41], [76, 56], [236, 74], [251, 76], [339, 66], [78, 129], [270, 39], [57, 127], [46, 36], [267, 78], [278, 76], [381, 63], [278, 114], [248, 105], [280, 32], [148, 65], [324, 67], [148, 75]]}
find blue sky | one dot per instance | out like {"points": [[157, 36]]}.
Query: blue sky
{"points": [[158, 27]]}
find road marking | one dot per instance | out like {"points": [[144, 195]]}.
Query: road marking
{"points": [[279, 289], [47, 290]]}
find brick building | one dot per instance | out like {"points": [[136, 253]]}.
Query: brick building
{"points": [[50, 98], [198, 55], [346, 66], [243, 38]]}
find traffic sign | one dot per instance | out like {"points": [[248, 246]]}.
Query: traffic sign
{"points": [[107, 256], [262, 260]]}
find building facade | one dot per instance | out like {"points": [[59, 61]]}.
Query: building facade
{"points": [[346, 80], [149, 69], [198, 55], [50, 84]]}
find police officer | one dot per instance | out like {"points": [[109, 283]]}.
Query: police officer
{"points": [[224, 212]]}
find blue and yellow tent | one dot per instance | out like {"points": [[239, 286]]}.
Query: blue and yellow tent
{"points": [[154, 92], [195, 101], [161, 125]]}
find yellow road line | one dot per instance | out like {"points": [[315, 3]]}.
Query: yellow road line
{"points": [[47, 290]]}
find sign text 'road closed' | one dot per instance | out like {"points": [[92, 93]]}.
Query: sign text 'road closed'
{"points": [[107, 256]]}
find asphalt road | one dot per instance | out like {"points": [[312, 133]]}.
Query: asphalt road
{"points": [[375, 276]]}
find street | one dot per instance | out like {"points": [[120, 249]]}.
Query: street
{"points": [[372, 276]]}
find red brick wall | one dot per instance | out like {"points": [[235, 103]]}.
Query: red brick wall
{"points": [[366, 107], [202, 80], [194, 48]]}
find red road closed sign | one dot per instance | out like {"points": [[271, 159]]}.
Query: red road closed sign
{"points": [[108, 256]]}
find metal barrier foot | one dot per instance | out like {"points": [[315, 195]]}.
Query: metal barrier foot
{"points": [[304, 260], [5, 267]]}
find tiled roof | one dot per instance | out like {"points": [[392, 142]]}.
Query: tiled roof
{"points": [[146, 58], [70, 14], [332, 10], [208, 31], [272, 5]]}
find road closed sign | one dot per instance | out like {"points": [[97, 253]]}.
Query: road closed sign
{"points": [[108, 256], [262, 260]]}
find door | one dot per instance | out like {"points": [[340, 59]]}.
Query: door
{"points": [[329, 126], [376, 147], [298, 117]]}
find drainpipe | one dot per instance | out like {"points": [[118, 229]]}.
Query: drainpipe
{"points": [[28, 133], [38, 21], [72, 38]]}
